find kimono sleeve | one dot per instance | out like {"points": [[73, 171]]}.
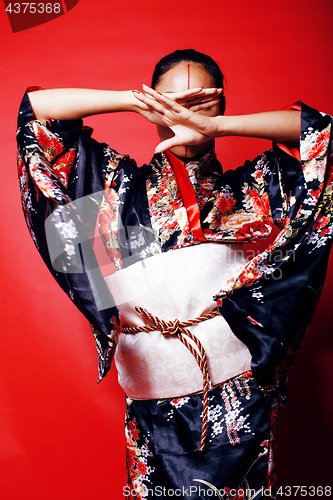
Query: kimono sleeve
{"points": [[271, 300], [61, 175]]}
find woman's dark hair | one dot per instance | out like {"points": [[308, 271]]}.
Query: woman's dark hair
{"points": [[190, 55]]}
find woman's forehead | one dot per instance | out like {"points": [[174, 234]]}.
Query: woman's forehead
{"points": [[183, 76]]}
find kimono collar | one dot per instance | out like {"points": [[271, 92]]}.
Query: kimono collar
{"points": [[204, 157], [188, 195]]}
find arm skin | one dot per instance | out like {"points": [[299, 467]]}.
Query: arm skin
{"points": [[179, 113], [195, 128], [72, 104], [279, 126]]}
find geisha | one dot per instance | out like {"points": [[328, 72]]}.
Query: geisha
{"points": [[203, 337]]}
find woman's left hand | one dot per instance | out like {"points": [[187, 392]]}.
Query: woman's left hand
{"points": [[179, 113]]}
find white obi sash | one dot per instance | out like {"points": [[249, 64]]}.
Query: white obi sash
{"points": [[176, 284]]}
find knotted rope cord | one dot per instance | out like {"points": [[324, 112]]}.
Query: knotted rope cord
{"points": [[179, 329]]}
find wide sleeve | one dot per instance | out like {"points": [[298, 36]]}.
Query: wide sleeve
{"points": [[61, 175], [271, 300]]}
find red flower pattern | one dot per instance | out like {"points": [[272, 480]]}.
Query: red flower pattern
{"points": [[256, 229], [249, 275], [141, 468], [224, 204], [63, 166], [321, 222], [133, 430], [260, 203], [320, 145], [47, 140]]}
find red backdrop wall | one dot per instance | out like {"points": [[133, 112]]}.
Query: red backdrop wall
{"points": [[61, 434]]}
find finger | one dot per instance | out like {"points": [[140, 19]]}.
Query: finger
{"points": [[187, 93], [167, 98], [156, 95], [184, 94], [205, 100], [166, 102], [205, 93], [190, 94], [211, 91], [204, 105], [167, 144], [199, 99], [151, 103]]}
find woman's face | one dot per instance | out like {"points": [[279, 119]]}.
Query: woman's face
{"points": [[184, 76]]}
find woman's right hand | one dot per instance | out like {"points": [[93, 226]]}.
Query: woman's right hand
{"points": [[191, 128], [191, 124], [198, 99]]}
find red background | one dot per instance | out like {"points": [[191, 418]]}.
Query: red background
{"points": [[61, 434]]}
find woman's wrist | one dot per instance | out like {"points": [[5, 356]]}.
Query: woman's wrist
{"points": [[219, 126], [280, 126], [122, 100]]}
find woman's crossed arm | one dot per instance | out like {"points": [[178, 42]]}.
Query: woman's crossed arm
{"points": [[194, 128], [76, 103]]}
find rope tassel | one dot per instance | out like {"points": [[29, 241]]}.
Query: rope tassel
{"points": [[179, 329]]}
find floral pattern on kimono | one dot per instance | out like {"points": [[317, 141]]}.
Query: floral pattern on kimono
{"points": [[140, 213], [163, 444]]}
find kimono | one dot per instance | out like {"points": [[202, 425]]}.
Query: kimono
{"points": [[71, 184]]}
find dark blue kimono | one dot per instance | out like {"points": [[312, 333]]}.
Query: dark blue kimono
{"points": [[73, 183]]}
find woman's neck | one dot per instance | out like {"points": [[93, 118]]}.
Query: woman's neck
{"points": [[191, 153]]}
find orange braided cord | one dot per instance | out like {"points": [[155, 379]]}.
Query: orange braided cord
{"points": [[179, 329]]}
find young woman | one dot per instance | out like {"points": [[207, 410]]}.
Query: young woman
{"points": [[207, 338]]}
